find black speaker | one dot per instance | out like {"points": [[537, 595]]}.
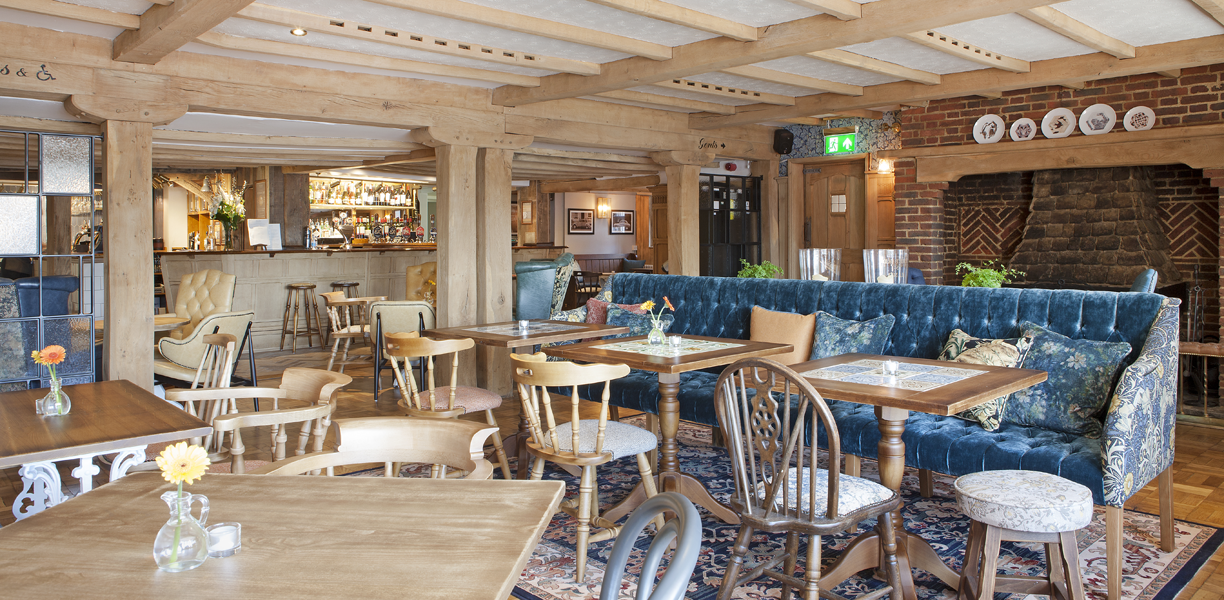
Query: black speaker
{"points": [[784, 141]]}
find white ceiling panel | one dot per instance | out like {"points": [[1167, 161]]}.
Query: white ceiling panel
{"points": [[213, 123], [35, 109], [745, 83], [662, 91], [802, 65], [1143, 22], [602, 18], [1016, 37], [639, 104], [913, 55], [131, 7], [757, 13], [462, 31], [21, 17], [265, 31]]}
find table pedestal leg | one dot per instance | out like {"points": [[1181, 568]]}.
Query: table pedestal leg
{"points": [[520, 446], [912, 551], [671, 479]]}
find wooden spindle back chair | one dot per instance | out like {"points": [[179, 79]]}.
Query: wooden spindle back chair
{"points": [[591, 443], [349, 324], [770, 417], [277, 419]]}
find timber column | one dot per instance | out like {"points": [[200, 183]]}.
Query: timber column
{"points": [[683, 230], [494, 262], [127, 216]]}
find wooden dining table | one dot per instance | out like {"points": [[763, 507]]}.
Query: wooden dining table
{"points": [[858, 378], [697, 352], [107, 417], [323, 537]]}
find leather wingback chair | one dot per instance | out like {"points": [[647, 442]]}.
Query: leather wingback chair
{"points": [[179, 359], [1145, 282], [55, 291], [417, 279], [915, 277], [541, 286], [201, 294]]}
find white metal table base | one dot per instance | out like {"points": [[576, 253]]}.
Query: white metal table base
{"points": [[43, 488]]}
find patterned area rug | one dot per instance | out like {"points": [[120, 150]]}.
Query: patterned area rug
{"points": [[1150, 574]]}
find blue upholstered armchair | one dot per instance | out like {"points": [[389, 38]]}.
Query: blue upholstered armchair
{"points": [[1145, 282], [541, 286]]}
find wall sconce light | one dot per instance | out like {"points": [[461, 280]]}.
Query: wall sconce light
{"points": [[885, 166], [602, 210]]}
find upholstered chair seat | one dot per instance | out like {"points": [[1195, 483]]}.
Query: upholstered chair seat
{"points": [[201, 294]]}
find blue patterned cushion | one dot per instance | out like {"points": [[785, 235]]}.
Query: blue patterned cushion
{"points": [[576, 315], [1081, 374], [637, 324], [836, 336], [964, 348]]}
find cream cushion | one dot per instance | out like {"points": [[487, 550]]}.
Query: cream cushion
{"points": [[201, 294], [417, 277], [784, 328], [470, 399], [853, 493], [1029, 501], [620, 439]]}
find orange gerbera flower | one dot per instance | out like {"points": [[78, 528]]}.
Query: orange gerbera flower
{"points": [[668, 304], [51, 355]]}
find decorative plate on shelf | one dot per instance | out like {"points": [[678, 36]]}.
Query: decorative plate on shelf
{"points": [[1023, 130], [989, 129], [1140, 118], [1097, 119], [1058, 123]]}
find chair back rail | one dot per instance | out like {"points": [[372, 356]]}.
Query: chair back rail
{"points": [[278, 419], [685, 528], [601, 263], [409, 345], [533, 375]]}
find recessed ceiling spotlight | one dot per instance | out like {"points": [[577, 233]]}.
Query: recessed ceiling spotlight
{"points": [[298, 31]]}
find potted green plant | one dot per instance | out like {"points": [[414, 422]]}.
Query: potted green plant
{"points": [[990, 274], [765, 270]]}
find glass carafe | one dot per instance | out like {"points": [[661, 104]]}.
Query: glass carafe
{"points": [[182, 543]]}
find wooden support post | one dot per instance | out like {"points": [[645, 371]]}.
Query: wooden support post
{"points": [[767, 170], [683, 230], [494, 262], [127, 158], [457, 232]]}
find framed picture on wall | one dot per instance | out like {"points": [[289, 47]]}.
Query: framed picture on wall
{"points": [[526, 214], [621, 222], [581, 221]]}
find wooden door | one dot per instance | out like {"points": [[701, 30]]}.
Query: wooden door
{"points": [[835, 213]]}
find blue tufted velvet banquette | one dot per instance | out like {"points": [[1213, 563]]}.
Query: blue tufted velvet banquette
{"points": [[1137, 443]]}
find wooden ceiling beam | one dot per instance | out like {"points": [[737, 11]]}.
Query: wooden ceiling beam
{"points": [[416, 156], [221, 40], [874, 65], [600, 156], [661, 100], [725, 92], [678, 15], [89, 14], [803, 81], [1064, 25], [287, 17], [1148, 59], [842, 9], [1215, 8], [964, 50], [601, 185], [1174, 73], [511, 21], [579, 162], [166, 28], [248, 139], [822, 32]]}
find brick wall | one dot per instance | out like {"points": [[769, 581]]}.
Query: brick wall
{"points": [[1195, 98], [919, 217], [985, 218]]}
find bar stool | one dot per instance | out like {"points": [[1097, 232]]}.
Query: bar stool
{"points": [[301, 295], [348, 287], [1022, 506]]}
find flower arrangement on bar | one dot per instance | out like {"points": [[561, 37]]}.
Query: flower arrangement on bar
{"points": [[182, 543], [228, 208], [56, 402], [657, 323]]}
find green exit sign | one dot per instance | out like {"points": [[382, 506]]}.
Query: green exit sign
{"points": [[839, 143]]}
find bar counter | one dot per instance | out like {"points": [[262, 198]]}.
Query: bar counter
{"points": [[263, 275]]}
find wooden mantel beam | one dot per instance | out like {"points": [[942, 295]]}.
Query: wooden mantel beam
{"points": [[166, 28]]}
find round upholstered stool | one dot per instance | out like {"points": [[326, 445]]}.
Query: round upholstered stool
{"points": [[349, 288], [1022, 506], [301, 296]]}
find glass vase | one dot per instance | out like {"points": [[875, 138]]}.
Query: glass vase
{"points": [[658, 330], [182, 543], [229, 236], [55, 403]]}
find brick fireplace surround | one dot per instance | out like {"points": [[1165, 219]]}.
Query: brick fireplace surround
{"points": [[981, 217]]}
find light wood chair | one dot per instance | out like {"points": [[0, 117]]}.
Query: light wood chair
{"points": [[592, 443], [349, 323], [214, 372], [452, 443], [768, 415], [435, 402]]}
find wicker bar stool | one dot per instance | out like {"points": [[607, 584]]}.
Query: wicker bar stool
{"points": [[1022, 506], [348, 287], [301, 296]]}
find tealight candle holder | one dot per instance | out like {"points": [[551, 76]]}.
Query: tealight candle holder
{"points": [[224, 539], [674, 342], [523, 324], [890, 367]]}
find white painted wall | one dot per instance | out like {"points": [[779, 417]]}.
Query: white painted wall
{"points": [[174, 217], [601, 242]]}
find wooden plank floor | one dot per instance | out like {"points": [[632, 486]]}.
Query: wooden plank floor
{"points": [[1198, 472]]}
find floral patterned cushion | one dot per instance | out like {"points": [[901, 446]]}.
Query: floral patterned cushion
{"points": [[853, 493], [597, 310], [1081, 375], [637, 324], [576, 315], [836, 336], [964, 348], [1024, 501], [605, 290]]}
